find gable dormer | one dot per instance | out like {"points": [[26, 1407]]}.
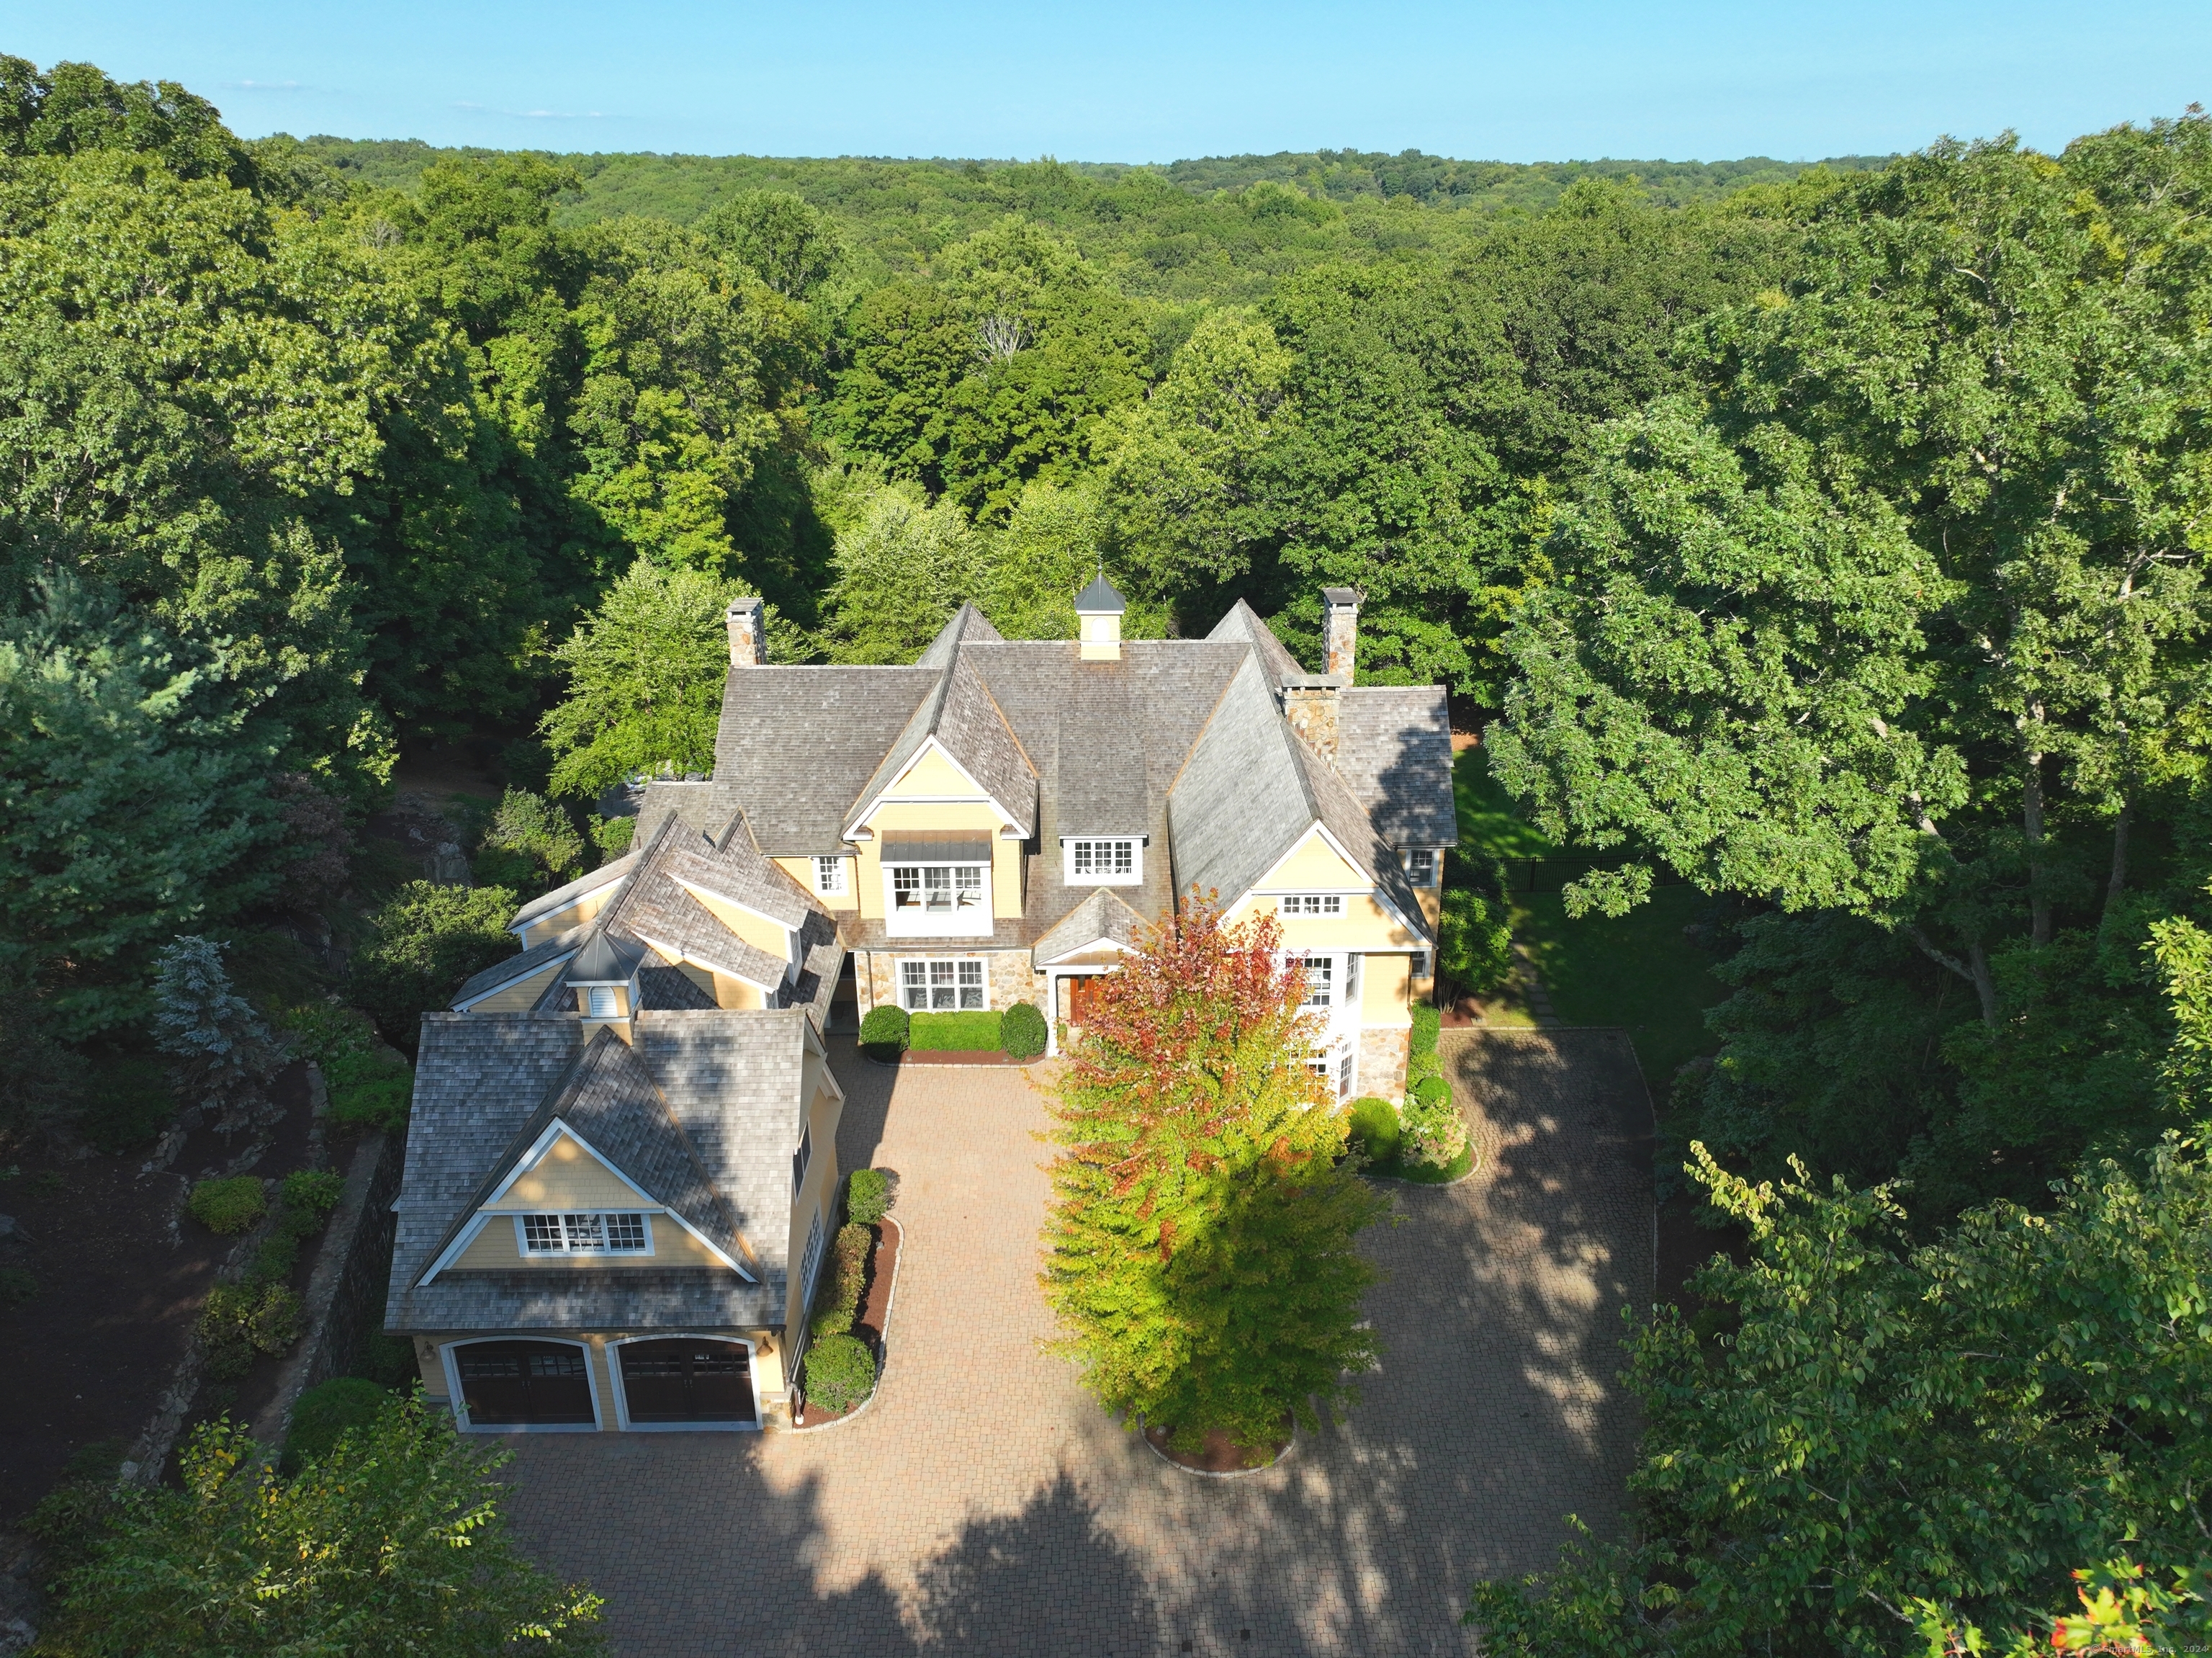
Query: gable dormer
{"points": [[601, 1175]]}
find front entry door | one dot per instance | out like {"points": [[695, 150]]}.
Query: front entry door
{"points": [[1084, 993], [525, 1384], [687, 1380]]}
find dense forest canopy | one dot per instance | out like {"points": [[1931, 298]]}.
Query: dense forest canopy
{"points": [[1830, 538]]}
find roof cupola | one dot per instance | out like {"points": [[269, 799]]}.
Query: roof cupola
{"points": [[1098, 612]]}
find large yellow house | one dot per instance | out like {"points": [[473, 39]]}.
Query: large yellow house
{"points": [[621, 1167], [993, 824]]}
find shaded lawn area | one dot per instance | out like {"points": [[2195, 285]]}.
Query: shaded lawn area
{"points": [[1640, 971]]}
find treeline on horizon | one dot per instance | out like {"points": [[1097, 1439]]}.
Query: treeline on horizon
{"points": [[1832, 540]]}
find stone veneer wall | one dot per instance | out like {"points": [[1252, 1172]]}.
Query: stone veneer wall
{"points": [[1383, 1051], [1008, 977]]}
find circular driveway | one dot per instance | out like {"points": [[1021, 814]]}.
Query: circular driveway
{"points": [[984, 1504]]}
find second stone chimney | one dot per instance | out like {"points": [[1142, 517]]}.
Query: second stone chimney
{"points": [[748, 637], [1340, 632]]}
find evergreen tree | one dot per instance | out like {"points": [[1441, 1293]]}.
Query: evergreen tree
{"points": [[1199, 1246], [225, 1053]]}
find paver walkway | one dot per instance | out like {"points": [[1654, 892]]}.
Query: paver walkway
{"points": [[983, 1504]]}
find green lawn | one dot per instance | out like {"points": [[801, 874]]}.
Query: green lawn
{"points": [[1640, 971]]}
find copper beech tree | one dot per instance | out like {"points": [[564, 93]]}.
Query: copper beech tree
{"points": [[1199, 1249]]}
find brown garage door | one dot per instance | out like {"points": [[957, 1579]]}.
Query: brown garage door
{"points": [[524, 1384], [687, 1380]]}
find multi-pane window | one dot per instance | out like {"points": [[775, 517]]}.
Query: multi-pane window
{"points": [[811, 1259], [584, 1235], [1310, 904], [1421, 866], [936, 889], [1102, 859], [830, 876], [800, 1158], [941, 986], [1344, 1074], [1321, 981], [1417, 964]]}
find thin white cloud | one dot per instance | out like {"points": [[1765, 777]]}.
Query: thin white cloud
{"points": [[537, 114], [266, 86]]}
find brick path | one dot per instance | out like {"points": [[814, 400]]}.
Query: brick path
{"points": [[984, 1505]]}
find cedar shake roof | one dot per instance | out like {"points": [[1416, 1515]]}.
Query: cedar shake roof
{"points": [[797, 746], [560, 897], [701, 1113], [1394, 752], [1102, 918], [1181, 742]]}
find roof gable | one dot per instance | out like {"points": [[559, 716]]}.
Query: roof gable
{"points": [[965, 725]]}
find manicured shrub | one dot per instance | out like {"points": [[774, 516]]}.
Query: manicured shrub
{"points": [[837, 1297], [954, 1032], [1436, 1137], [840, 1372], [325, 1412], [228, 1207], [241, 1320], [1375, 1128], [883, 1033], [1474, 945], [867, 1196], [1022, 1031], [1431, 1091], [1427, 1019]]}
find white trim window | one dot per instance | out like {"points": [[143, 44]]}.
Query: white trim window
{"points": [[1320, 980], [590, 1233], [1310, 904], [937, 898], [830, 876], [944, 984], [1339, 1067], [800, 1158], [1118, 862], [1421, 866]]}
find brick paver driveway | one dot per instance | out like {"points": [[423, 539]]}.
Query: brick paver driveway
{"points": [[983, 1504]]}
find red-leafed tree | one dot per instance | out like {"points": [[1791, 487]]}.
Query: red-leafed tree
{"points": [[1199, 1249]]}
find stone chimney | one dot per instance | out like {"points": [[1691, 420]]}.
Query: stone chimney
{"points": [[1340, 632], [748, 636], [1310, 704], [1098, 612]]}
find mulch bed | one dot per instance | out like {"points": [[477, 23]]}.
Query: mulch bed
{"points": [[120, 1276], [1222, 1454], [1463, 1013], [874, 1314], [962, 1057]]}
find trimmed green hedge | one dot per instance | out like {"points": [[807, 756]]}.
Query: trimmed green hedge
{"points": [[954, 1032], [867, 1196], [228, 1207], [840, 1372], [1021, 1028], [883, 1033], [1375, 1128]]}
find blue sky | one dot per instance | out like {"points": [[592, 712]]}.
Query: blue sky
{"points": [[1148, 81]]}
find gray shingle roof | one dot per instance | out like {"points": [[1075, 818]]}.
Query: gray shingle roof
{"points": [[1394, 752], [963, 716], [700, 806], [1252, 788], [560, 897], [702, 1112], [798, 745], [1243, 625], [1099, 753], [519, 965], [1103, 914]]}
